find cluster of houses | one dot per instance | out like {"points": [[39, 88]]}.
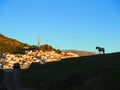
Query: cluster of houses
{"points": [[25, 60]]}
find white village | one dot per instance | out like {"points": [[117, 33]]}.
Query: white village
{"points": [[25, 60]]}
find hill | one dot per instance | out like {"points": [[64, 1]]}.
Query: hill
{"points": [[81, 53], [46, 47], [8, 45], [98, 72]]}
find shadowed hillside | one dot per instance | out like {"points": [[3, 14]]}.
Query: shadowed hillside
{"points": [[1, 77], [99, 72]]}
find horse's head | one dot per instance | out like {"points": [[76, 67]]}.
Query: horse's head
{"points": [[97, 47]]}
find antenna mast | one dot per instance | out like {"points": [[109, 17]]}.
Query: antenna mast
{"points": [[39, 41]]}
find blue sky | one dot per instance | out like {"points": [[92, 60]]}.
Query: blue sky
{"points": [[64, 24]]}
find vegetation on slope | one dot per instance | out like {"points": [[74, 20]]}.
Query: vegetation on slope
{"points": [[9, 45], [47, 47], [99, 72]]}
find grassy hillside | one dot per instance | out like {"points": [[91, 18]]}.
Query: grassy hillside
{"points": [[7, 45], [99, 72]]}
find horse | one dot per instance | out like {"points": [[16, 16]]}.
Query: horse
{"points": [[100, 49]]}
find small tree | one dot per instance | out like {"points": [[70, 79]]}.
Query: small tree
{"points": [[18, 50]]}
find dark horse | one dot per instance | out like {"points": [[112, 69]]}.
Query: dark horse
{"points": [[100, 49]]}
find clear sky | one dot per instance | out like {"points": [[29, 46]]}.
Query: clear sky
{"points": [[64, 24]]}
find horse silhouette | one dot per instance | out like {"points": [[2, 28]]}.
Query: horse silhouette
{"points": [[100, 49]]}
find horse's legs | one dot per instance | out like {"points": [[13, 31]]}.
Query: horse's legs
{"points": [[99, 52], [103, 52]]}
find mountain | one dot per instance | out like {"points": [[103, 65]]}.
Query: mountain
{"points": [[7, 45], [80, 53]]}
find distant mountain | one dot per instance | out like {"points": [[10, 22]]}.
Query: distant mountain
{"points": [[7, 45], [81, 53]]}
